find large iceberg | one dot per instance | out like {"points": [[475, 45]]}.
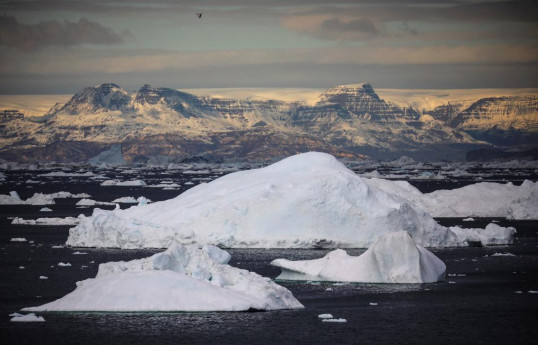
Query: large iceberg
{"points": [[182, 278], [394, 258], [307, 200], [484, 199]]}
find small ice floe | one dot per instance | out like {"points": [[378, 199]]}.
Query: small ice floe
{"points": [[329, 289], [334, 320], [18, 239], [452, 282], [79, 253], [118, 183], [21, 267], [58, 247], [47, 221], [325, 316], [373, 303], [468, 219], [532, 291], [90, 202], [128, 200], [503, 254], [45, 209], [61, 264], [16, 317], [43, 277]]}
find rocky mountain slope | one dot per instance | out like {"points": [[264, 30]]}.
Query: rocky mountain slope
{"points": [[165, 124]]}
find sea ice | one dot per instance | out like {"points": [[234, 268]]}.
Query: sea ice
{"points": [[48, 221], [394, 258], [37, 199], [132, 183], [26, 318], [90, 202], [18, 239], [325, 316], [182, 278], [334, 320]]}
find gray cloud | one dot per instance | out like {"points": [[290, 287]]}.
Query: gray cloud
{"points": [[362, 26], [28, 37]]}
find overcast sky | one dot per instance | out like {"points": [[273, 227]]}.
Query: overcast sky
{"points": [[61, 46]]}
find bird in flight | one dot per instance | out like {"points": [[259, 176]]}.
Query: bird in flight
{"points": [[199, 15]]}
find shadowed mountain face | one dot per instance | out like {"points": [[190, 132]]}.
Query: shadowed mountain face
{"points": [[347, 121]]}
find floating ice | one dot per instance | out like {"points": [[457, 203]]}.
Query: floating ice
{"points": [[61, 264], [334, 320], [308, 200], [45, 209], [90, 202], [26, 318], [394, 258], [503, 254], [48, 221], [18, 239], [37, 199], [325, 316], [133, 183], [182, 278], [129, 200], [483, 199]]}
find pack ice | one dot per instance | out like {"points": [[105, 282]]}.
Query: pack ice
{"points": [[394, 258], [182, 278], [307, 200]]}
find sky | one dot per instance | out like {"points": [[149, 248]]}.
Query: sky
{"points": [[62, 46]]}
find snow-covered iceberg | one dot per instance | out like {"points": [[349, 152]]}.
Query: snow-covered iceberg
{"points": [[394, 258], [307, 200], [484, 199], [182, 278], [37, 199]]}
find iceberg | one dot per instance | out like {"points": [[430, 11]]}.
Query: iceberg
{"points": [[484, 199], [309, 200], [182, 278], [394, 258]]}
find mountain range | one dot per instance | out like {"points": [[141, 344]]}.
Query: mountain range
{"points": [[348, 121]]}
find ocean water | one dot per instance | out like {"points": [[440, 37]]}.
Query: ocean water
{"points": [[485, 300]]}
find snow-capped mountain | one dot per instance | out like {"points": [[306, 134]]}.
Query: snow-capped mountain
{"points": [[347, 121]]}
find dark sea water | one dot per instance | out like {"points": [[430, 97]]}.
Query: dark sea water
{"points": [[485, 300]]}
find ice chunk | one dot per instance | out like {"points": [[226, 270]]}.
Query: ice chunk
{"points": [[18, 239], [334, 320], [325, 316], [182, 278], [394, 258], [62, 264], [27, 318]]}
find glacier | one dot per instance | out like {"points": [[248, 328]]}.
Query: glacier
{"points": [[309, 200], [182, 278], [393, 258]]}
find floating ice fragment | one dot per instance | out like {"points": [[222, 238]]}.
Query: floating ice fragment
{"points": [[43, 277], [334, 320], [27, 318], [373, 303], [325, 316], [61, 264], [19, 239], [503, 254]]}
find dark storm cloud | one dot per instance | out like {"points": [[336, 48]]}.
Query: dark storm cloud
{"points": [[27, 37]]}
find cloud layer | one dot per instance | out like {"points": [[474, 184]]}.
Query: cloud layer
{"points": [[27, 37]]}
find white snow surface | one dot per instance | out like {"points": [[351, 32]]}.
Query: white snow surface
{"points": [[182, 278], [16, 317], [48, 221], [124, 183], [484, 199], [37, 199], [307, 200], [394, 258]]}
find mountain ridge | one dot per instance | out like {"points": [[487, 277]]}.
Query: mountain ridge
{"points": [[348, 120]]}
